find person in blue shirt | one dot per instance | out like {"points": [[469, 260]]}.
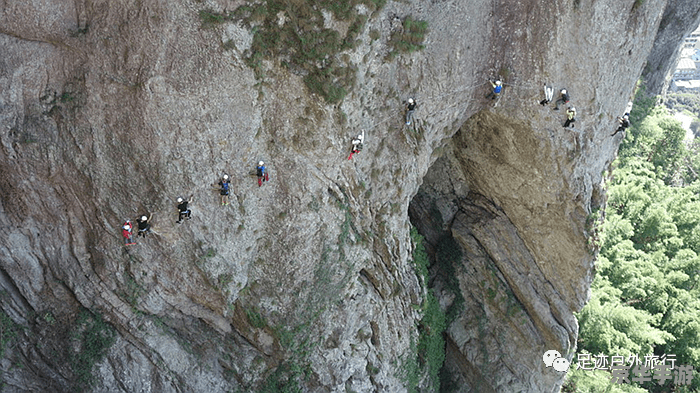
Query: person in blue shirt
{"points": [[262, 173], [225, 184], [497, 87]]}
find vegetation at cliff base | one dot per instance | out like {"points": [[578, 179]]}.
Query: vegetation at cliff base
{"points": [[8, 332], [91, 339], [646, 294], [284, 379], [448, 255], [428, 355]]}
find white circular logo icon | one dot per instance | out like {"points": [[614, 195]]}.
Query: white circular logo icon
{"points": [[549, 357], [554, 359], [561, 365]]}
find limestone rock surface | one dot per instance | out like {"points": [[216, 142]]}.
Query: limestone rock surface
{"points": [[112, 109]]}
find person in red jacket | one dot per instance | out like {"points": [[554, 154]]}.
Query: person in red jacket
{"points": [[127, 233]]}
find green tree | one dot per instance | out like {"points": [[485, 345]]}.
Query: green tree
{"points": [[658, 139], [586, 381], [646, 296]]}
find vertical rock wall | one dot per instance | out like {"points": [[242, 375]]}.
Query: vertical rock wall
{"points": [[110, 110], [680, 19], [506, 210]]}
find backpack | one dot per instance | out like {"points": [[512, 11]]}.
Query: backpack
{"points": [[224, 186], [261, 170]]}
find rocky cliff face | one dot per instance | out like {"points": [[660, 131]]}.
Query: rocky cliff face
{"points": [[680, 19], [113, 109]]}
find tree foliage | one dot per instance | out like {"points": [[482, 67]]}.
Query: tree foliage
{"points": [[646, 293]]}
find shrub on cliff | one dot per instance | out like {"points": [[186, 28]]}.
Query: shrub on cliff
{"points": [[431, 344], [91, 339], [295, 33], [409, 39]]}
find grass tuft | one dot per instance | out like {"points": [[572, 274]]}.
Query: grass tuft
{"points": [[210, 18], [255, 318], [410, 39]]}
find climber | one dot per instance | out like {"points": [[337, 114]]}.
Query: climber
{"points": [[184, 212], [357, 144], [410, 108], [563, 99], [497, 87], [570, 117], [548, 94], [262, 173], [127, 233], [624, 123], [224, 183], [144, 226]]}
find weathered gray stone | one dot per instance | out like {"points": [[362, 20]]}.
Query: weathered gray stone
{"points": [[679, 19], [110, 110]]}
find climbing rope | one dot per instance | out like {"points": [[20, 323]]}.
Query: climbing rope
{"points": [[431, 98]]}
